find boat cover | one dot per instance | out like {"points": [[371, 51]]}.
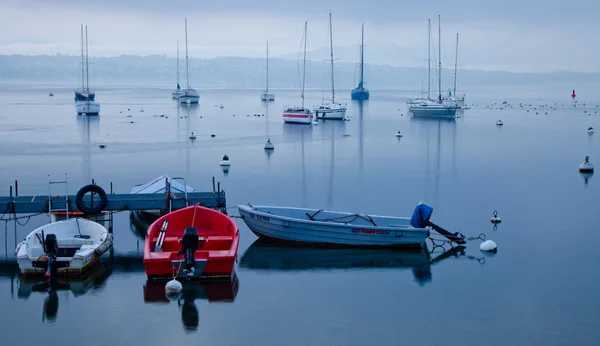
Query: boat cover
{"points": [[421, 215], [159, 185]]}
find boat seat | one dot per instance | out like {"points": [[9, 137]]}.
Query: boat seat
{"points": [[74, 242]]}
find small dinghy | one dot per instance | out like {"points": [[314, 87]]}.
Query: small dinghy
{"points": [[193, 242], [66, 247], [331, 228]]}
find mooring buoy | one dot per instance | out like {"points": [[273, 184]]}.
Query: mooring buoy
{"points": [[495, 218]]}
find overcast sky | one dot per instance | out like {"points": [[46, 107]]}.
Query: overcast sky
{"points": [[511, 35]]}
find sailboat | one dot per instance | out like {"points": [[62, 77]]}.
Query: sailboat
{"points": [[360, 92], [452, 98], [299, 114], [85, 100], [177, 92], [188, 95], [267, 96], [331, 110], [428, 107]]}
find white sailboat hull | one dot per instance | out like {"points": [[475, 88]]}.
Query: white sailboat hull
{"points": [[299, 117], [88, 108], [189, 96], [433, 110], [458, 102], [267, 97], [331, 228], [81, 242], [331, 113]]}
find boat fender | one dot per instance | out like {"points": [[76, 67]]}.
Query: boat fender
{"points": [[173, 289], [495, 218], [488, 246], [105, 246], [99, 207]]}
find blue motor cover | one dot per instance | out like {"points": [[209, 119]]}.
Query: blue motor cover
{"points": [[421, 216]]}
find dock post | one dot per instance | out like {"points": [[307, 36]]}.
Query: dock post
{"points": [[110, 213], [213, 184], [16, 188]]}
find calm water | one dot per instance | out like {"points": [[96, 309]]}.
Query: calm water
{"points": [[540, 288]]}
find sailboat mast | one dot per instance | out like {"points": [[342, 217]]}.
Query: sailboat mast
{"points": [[87, 62], [187, 71], [304, 65], [177, 64], [429, 59], [331, 49], [267, 89], [455, 64], [362, 53], [440, 59], [82, 62]]}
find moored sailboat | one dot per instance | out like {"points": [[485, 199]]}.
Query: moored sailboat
{"points": [[266, 95], [177, 92], [85, 99], [428, 107], [188, 95], [331, 110], [300, 114], [360, 92]]}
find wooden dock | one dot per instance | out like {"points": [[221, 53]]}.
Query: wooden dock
{"points": [[114, 202]]}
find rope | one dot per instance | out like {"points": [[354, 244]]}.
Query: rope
{"points": [[338, 219], [176, 273]]}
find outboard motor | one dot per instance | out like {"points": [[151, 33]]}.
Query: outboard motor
{"points": [[189, 245], [51, 248], [420, 219]]}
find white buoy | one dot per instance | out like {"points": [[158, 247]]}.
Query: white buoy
{"points": [[225, 162], [586, 166], [192, 136], [590, 130], [495, 218], [173, 289], [398, 134], [488, 246], [499, 123], [269, 145]]}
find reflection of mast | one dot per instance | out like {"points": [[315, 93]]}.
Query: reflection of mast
{"points": [[330, 197], [438, 168], [187, 152], [303, 174], [360, 137]]}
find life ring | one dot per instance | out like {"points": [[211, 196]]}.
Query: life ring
{"points": [[99, 207]]}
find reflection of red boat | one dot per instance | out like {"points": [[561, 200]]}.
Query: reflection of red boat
{"points": [[213, 291], [192, 242]]}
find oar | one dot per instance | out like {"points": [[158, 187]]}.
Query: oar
{"points": [[161, 236]]}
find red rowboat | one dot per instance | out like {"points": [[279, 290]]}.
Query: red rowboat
{"points": [[193, 242]]}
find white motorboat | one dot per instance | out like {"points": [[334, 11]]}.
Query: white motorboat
{"points": [[266, 95], [188, 95], [299, 114], [331, 109], [66, 247], [85, 99]]}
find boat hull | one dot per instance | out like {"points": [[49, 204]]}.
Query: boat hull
{"points": [[217, 245], [444, 112], [360, 95], [87, 108], [330, 234], [297, 118], [335, 114], [75, 254], [267, 97]]}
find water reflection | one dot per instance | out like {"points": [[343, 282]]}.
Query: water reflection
{"points": [[435, 133], [297, 131], [586, 177], [213, 291], [91, 280], [86, 125], [264, 255]]}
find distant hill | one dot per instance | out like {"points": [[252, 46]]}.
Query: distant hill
{"points": [[238, 72]]}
